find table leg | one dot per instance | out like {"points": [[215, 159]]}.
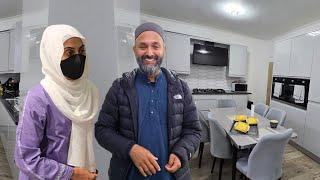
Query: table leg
{"points": [[234, 161]]}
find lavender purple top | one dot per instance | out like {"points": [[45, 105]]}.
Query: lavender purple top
{"points": [[42, 139]]}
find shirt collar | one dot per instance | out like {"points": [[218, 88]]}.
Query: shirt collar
{"points": [[144, 77]]}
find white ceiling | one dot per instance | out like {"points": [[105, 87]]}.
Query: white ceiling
{"points": [[266, 19], [9, 8]]}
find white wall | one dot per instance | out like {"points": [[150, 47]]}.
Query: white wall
{"points": [[35, 12], [31, 73], [127, 18], [34, 19], [95, 20], [310, 27], [259, 50]]}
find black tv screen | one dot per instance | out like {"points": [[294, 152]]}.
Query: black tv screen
{"points": [[210, 55]]}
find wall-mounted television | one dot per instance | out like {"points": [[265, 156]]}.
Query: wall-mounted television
{"points": [[210, 55]]}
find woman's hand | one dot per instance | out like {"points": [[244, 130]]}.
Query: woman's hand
{"points": [[83, 174]]}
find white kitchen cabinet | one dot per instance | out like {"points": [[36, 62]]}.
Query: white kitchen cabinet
{"points": [[314, 93], [241, 100], [4, 51], [282, 55], [301, 57], [295, 119], [9, 51], [238, 61], [312, 129], [5, 119], [205, 102], [177, 52], [312, 126]]}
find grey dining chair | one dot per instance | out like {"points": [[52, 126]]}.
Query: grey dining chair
{"points": [[225, 103], [276, 114], [265, 159], [261, 109], [205, 132], [220, 147]]}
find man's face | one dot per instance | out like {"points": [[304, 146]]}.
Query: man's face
{"points": [[149, 51]]}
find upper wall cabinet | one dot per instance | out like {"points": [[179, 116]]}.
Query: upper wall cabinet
{"points": [[293, 57], [302, 54], [4, 51], [282, 55], [314, 91], [238, 61], [177, 52]]}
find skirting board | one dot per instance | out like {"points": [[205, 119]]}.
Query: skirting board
{"points": [[304, 151]]}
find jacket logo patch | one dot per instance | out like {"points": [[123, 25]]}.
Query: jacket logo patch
{"points": [[177, 96]]}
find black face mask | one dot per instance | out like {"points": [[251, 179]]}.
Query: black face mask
{"points": [[73, 66]]}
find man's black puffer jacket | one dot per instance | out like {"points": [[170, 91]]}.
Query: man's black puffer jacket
{"points": [[116, 128]]}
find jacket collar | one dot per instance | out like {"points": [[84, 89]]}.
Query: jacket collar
{"points": [[128, 78]]}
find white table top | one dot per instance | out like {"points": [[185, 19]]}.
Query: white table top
{"points": [[225, 116]]}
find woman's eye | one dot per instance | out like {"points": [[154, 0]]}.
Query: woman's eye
{"points": [[83, 52], [69, 53]]}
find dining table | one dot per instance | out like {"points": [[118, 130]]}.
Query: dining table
{"points": [[225, 117]]}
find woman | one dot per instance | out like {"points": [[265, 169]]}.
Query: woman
{"points": [[55, 131]]}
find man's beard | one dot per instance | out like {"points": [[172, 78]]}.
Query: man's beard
{"points": [[149, 69]]}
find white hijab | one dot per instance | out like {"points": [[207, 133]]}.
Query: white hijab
{"points": [[77, 99]]}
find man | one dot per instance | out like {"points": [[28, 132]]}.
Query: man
{"points": [[148, 120]]}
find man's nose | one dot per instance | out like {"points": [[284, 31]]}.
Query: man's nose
{"points": [[149, 52]]}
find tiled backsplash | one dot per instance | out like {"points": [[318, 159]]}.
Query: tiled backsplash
{"points": [[202, 76]]}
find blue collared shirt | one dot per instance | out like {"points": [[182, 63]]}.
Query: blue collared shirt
{"points": [[152, 123]]}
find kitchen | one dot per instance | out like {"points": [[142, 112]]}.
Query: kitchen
{"points": [[108, 26]]}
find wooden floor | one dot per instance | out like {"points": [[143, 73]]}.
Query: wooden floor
{"points": [[5, 173], [297, 166]]}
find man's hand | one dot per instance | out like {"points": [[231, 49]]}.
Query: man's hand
{"points": [[83, 174], [144, 160], [174, 163]]}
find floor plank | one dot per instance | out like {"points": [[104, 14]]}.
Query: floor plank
{"points": [[5, 173]]}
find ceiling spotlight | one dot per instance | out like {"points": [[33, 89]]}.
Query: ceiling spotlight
{"points": [[234, 9]]}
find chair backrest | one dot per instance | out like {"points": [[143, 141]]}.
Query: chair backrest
{"points": [[276, 114], [265, 160], [220, 146], [261, 109], [205, 130], [225, 103]]}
